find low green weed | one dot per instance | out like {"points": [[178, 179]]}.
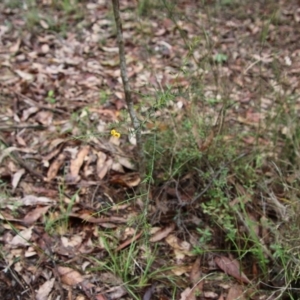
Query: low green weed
{"points": [[58, 222]]}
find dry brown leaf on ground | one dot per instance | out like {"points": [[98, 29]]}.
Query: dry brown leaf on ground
{"points": [[25, 75], [6, 152], [50, 155], [116, 292], [31, 200], [149, 292], [181, 269], [73, 176], [7, 217], [235, 293], [100, 297], [196, 290], [128, 180], [125, 162], [158, 236], [103, 164], [73, 241], [15, 47], [16, 178], [116, 166], [181, 248], [195, 273], [231, 267], [187, 294], [44, 117], [55, 166], [21, 142], [69, 276], [52, 146], [22, 238], [210, 295], [35, 214], [114, 141], [45, 289], [110, 278], [40, 190], [221, 297]]}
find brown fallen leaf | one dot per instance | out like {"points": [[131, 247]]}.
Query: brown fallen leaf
{"points": [[16, 178], [210, 295], [181, 269], [195, 273], [235, 293], [51, 193], [28, 112], [45, 289], [22, 238], [21, 141], [178, 244], [128, 180], [198, 288], [148, 294], [116, 292], [74, 241], [100, 297], [44, 117], [125, 162], [55, 166], [34, 215], [15, 47], [69, 276], [31, 200], [158, 236], [221, 297], [103, 164], [73, 176], [231, 267], [6, 152], [25, 75], [187, 294]]}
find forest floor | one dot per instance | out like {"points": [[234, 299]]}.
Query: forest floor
{"points": [[216, 87]]}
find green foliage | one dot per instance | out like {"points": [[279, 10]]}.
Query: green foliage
{"points": [[67, 6], [220, 58], [132, 266], [143, 7], [50, 97], [58, 223], [13, 4], [32, 18], [146, 7]]}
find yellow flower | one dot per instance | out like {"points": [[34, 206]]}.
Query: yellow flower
{"points": [[115, 133]]}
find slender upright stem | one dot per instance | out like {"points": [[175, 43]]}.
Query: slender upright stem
{"points": [[133, 116]]}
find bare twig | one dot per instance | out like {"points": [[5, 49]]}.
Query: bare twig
{"points": [[134, 119]]}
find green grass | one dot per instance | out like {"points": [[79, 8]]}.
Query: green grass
{"points": [[132, 267], [58, 221]]}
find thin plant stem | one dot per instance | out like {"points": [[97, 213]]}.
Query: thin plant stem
{"points": [[128, 98]]}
